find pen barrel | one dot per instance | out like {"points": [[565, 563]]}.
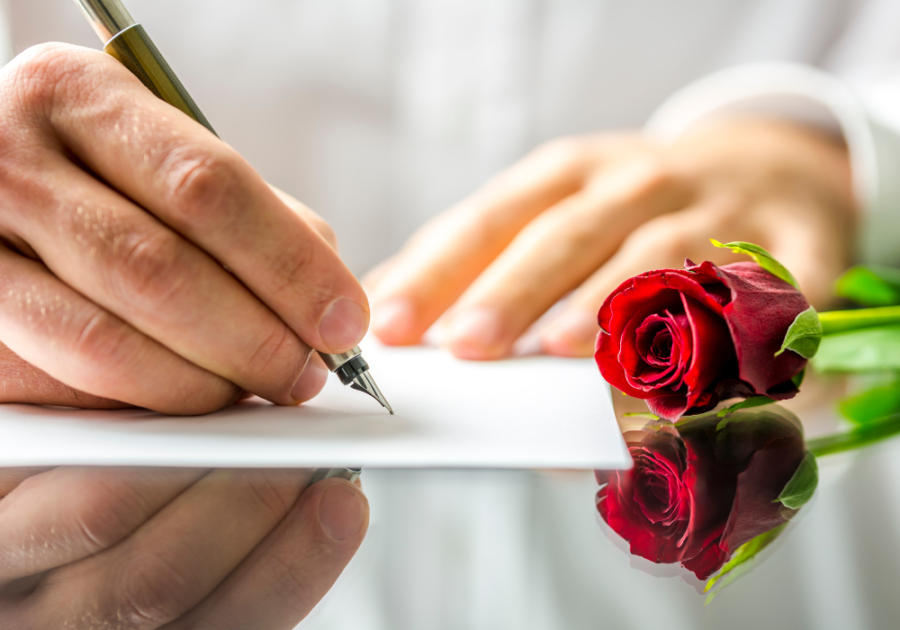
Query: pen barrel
{"points": [[137, 52], [107, 17]]}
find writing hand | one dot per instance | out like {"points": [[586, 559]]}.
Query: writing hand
{"points": [[144, 262]]}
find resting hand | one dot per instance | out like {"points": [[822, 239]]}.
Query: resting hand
{"points": [[581, 215], [143, 261], [175, 549]]}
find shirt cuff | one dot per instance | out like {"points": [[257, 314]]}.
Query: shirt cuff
{"points": [[810, 97]]}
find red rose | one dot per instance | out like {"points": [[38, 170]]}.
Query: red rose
{"points": [[697, 493], [685, 339]]}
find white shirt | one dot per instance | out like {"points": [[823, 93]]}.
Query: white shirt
{"points": [[381, 113]]}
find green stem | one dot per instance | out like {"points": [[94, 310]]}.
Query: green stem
{"points": [[856, 438], [843, 321]]}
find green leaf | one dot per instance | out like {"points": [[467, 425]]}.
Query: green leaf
{"points": [[870, 286], [871, 405], [763, 258], [866, 350], [844, 321], [739, 562], [755, 401], [798, 379], [804, 335], [802, 485]]}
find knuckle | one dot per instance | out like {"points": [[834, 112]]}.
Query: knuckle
{"points": [[652, 177], [108, 518], [562, 147], [298, 270], [104, 344], [281, 346], [273, 492], [149, 267], [325, 231], [310, 218], [151, 592], [40, 73], [664, 236], [563, 153], [203, 188], [570, 236]]}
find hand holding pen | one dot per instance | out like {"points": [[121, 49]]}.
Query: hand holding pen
{"points": [[147, 263]]}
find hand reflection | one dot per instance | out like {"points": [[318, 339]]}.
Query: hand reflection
{"points": [[702, 488], [138, 548]]}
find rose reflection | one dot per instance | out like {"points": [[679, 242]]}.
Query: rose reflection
{"points": [[702, 488]]}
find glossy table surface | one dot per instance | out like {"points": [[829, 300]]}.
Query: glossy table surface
{"points": [[496, 550], [482, 549]]}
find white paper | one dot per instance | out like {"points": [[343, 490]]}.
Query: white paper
{"points": [[530, 412]]}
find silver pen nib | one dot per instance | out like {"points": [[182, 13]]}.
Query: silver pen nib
{"points": [[366, 384]]}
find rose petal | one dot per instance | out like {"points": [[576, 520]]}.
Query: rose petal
{"points": [[755, 510], [636, 299], [761, 310], [618, 506], [713, 354], [708, 561], [639, 373], [669, 407]]}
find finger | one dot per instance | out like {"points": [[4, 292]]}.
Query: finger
{"points": [[312, 381], [174, 560], [662, 243], [292, 569], [556, 253], [206, 192], [67, 514], [124, 260], [52, 327], [309, 217], [21, 382], [11, 478], [445, 257]]}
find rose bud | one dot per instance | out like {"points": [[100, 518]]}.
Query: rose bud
{"points": [[697, 493], [684, 339]]}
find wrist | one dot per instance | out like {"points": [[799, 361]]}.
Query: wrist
{"points": [[770, 156]]}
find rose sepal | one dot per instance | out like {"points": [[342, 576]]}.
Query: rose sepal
{"points": [[763, 258], [740, 562], [804, 336]]}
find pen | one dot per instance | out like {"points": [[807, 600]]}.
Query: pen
{"points": [[127, 41]]}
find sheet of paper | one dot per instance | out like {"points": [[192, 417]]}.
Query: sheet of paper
{"points": [[530, 412]]}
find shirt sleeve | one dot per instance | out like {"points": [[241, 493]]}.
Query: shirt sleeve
{"points": [[868, 121]]}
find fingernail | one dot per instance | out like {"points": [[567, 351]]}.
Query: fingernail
{"points": [[393, 320], [310, 382], [341, 512], [343, 325], [572, 334], [477, 333]]}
